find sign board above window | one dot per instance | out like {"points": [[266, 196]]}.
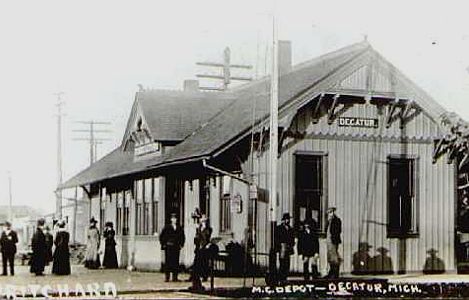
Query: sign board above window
{"points": [[357, 122]]}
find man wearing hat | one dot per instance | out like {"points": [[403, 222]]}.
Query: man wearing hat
{"points": [[308, 247], [433, 264], [172, 239], [361, 259], [382, 262], [284, 241], [8, 243], [39, 247], [334, 230]]}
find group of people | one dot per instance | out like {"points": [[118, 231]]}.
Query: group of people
{"points": [[43, 242], [308, 245], [172, 239], [93, 243]]}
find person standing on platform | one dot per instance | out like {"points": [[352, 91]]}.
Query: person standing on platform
{"points": [[308, 247], [333, 231], [172, 240], [39, 247], [110, 255], [201, 267], [49, 243], [284, 241], [61, 264], [8, 243], [92, 246]]}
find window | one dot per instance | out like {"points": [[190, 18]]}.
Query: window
{"points": [[102, 210], [119, 213], [126, 214], [402, 199], [148, 195], [204, 196], [139, 207], [154, 204], [310, 189], [225, 207]]}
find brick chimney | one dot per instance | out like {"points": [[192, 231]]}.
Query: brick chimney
{"points": [[191, 85], [284, 56]]}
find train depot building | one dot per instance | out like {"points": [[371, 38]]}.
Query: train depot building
{"points": [[354, 133]]}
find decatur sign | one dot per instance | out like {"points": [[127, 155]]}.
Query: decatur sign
{"points": [[357, 122]]}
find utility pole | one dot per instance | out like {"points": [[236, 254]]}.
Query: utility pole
{"points": [[10, 202], [58, 203], [92, 139], [273, 154], [226, 72]]}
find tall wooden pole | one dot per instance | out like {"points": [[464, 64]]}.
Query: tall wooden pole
{"points": [[58, 207], [10, 202], [273, 153]]}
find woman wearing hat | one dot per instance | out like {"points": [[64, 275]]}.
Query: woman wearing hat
{"points": [[110, 255], [61, 264], [92, 246]]}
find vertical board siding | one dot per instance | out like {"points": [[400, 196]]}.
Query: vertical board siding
{"points": [[357, 185]]}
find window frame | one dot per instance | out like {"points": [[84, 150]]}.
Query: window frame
{"points": [[415, 205], [226, 224], [324, 156]]}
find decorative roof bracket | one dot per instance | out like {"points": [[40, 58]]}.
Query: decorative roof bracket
{"points": [[391, 116], [408, 113], [317, 107], [330, 114]]}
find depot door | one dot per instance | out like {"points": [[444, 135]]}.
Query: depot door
{"points": [[174, 199]]}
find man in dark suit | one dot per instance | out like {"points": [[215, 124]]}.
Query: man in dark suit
{"points": [[8, 243], [284, 241], [172, 239], [308, 247], [334, 230], [39, 247]]}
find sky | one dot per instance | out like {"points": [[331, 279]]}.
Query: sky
{"points": [[96, 52]]}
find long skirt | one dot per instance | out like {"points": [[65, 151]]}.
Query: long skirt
{"points": [[61, 264], [110, 257]]}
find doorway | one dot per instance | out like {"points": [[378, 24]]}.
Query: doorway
{"points": [[174, 199]]}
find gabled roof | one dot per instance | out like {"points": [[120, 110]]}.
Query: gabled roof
{"points": [[171, 115], [206, 133]]}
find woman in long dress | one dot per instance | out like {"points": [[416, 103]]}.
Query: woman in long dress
{"points": [[61, 264], [110, 256], [92, 246]]}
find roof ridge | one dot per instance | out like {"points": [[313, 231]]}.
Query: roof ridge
{"points": [[307, 63]]}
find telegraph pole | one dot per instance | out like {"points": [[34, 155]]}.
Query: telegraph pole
{"points": [[58, 204], [273, 154], [10, 202], [226, 67], [92, 139]]}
